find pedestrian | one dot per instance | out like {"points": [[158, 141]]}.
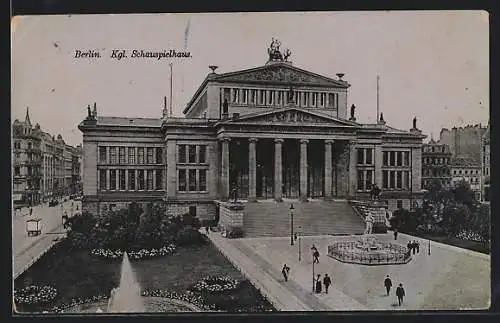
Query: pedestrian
{"points": [[318, 284], [327, 282], [417, 246], [395, 233], [388, 284], [316, 257], [31, 211], [400, 293], [414, 246], [409, 246], [284, 271]]}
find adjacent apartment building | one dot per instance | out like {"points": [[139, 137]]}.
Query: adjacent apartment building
{"points": [[43, 166], [436, 164]]}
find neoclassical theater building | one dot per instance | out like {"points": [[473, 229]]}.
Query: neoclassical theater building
{"points": [[272, 132]]}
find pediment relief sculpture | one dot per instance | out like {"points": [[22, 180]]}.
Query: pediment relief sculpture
{"points": [[288, 117], [279, 74]]}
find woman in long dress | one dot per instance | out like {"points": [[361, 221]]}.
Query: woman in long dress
{"points": [[318, 284]]}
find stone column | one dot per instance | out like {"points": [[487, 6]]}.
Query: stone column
{"points": [[136, 174], [171, 162], [154, 180], [352, 168], [278, 170], [117, 179], [328, 169], [303, 169], [252, 170], [378, 165], [224, 178], [126, 180]]}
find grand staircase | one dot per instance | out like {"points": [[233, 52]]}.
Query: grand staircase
{"points": [[269, 218]]}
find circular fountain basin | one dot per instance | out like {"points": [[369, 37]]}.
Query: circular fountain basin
{"points": [[368, 250], [152, 304]]}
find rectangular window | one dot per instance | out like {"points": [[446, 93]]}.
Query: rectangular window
{"points": [[112, 155], [280, 97], [131, 155], [360, 180], [150, 155], [385, 179], [121, 155], [369, 156], [202, 154], [192, 154], [149, 180], [182, 154], [262, 98], [159, 155], [399, 204], [400, 158], [331, 100], [102, 179], [159, 180], [182, 180], [361, 156], [192, 180], [102, 154], [17, 171], [140, 179], [112, 180], [203, 180], [322, 98], [392, 179], [131, 179], [122, 179], [253, 96], [368, 182], [385, 157], [392, 161], [399, 179], [140, 155]]}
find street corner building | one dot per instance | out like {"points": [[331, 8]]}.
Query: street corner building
{"points": [[258, 135]]}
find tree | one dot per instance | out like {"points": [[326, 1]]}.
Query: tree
{"points": [[481, 220], [455, 218], [463, 194]]}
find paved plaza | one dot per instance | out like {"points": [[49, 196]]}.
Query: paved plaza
{"points": [[26, 249], [448, 278]]}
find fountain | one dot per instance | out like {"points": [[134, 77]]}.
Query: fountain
{"points": [[126, 298]]}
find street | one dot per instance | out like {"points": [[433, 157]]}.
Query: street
{"points": [[24, 247]]}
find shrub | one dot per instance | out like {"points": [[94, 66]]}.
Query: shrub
{"points": [[190, 236], [35, 295]]}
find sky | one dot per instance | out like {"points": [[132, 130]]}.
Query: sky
{"points": [[432, 64]]}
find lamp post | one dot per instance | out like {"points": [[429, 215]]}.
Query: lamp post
{"points": [[429, 244], [291, 224], [313, 272], [299, 233]]}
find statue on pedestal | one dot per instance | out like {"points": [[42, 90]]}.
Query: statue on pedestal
{"points": [[415, 123], [369, 223], [353, 108]]}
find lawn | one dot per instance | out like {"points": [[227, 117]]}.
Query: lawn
{"points": [[465, 244], [76, 273]]}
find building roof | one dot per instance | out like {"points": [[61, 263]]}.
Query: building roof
{"points": [[136, 122], [464, 162]]}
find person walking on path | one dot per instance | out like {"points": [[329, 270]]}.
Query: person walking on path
{"points": [[417, 245], [206, 229], [400, 293], [284, 271], [414, 246], [409, 245], [388, 284], [315, 255], [327, 282], [318, 284], [31, 211], [395, 233]]}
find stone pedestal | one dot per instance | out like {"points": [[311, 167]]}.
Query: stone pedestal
{"points": [[230, 215]]}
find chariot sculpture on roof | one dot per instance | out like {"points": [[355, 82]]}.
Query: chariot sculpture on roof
{"points": [[274, 51]]}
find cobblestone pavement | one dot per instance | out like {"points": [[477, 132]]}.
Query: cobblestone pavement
{"points": [[448, 278], [26, 249]]}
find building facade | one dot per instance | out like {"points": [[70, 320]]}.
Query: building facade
{"points": [[464, 141], [271, 132], [436, 164], [485, 165], [40, 164], [467, 170]]}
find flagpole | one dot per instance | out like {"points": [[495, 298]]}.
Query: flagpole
{"points": [[378, 107], [171, 92]]}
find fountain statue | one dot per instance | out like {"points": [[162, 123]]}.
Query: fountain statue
{"points": [[126, 298]]}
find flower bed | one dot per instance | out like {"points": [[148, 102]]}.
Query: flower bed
{"points": [[78, 301], [35, 295], [136, 255], [216, 284], [188, 296]]}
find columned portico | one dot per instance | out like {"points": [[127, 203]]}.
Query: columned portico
{"points": [[352, 168], [224, 178], [252, 169], [303, 169], [328, 169], [278, 171]]}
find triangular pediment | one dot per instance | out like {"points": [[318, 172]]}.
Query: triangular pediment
{"points": [[281, 73], [293, 116]]}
